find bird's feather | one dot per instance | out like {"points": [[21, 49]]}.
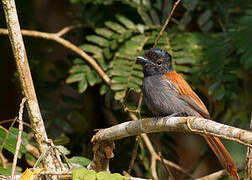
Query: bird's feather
{"points": [[186, 93]]}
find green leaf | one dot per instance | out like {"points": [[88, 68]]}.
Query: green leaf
{"points": [[80, 160], [115, 26], [92, 78], [78, 174], [91, 48], [145, 17], [104, 32], [62, 140], [10, 143], [82, 85], [63, 150], [118, 86], [75, 77], [125, 21], [79, 69], [104, 89], [90, 175], [98, 40], [155, 17], [5, 172], [120, 95]]}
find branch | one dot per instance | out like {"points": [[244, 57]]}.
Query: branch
{"points": [[57, 38], [26, 80], [166, 22], [19, 138], [154, 155], [174, 124]]}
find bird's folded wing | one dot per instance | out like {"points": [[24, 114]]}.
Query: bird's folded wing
{"points": [[186, 93]]}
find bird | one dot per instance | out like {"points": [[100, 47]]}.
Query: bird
{"points": [[166, 93]]}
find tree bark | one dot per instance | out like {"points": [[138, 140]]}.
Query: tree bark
{"points": [[26, 82]]}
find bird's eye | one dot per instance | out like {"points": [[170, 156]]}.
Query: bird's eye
{"points": [[159, 62]]}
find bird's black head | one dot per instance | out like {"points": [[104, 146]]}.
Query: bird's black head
{"points": [[155, 61]]}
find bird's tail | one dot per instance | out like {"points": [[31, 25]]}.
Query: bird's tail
{"points": [[222, 154]]}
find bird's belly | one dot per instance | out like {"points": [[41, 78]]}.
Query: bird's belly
{"points": [[161, 100]]}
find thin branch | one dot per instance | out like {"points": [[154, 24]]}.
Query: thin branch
{"points": [[57, 38], [154, 155], [134, 153], [218, 174], [248, 167], [66, 29], [175, 124], [19, 138], [166, 22], [168, 171], [26, 82], [11, 120], [215, 175], [3, 160]]}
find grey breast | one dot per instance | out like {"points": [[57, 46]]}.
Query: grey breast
{"points": [[162, 99]]}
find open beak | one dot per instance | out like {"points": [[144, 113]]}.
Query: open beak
{"points": [[143, 60]]}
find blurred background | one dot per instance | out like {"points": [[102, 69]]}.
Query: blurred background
{"points": [[210, 42]]}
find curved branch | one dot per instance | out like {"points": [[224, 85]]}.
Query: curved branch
{"points": [[174, 124], [57, 37]]}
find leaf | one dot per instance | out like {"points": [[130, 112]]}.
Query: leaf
{"points": [[10, 143], [104, 32], [75, 77], [78, 174], [62, 140], [63, 150], [80, 160], [155, 17], [125, 21], [32, 175], [92, 78], [115, 26], [79, 69], [98, 40], [5, 171], [104, 89], [91, 48], [145, 17], [82, 85]]}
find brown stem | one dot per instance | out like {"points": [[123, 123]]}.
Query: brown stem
{"points": [[19, 138], [57, 38]]}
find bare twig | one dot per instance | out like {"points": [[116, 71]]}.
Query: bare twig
{"points": [[57, 38], [69, 28], [166, 22], [56, 153], [248, 167], [218, 174], [134, 153], [154, 155], [19, 138], [168, 171], [11, 120], [215, 175], [3, 160]]}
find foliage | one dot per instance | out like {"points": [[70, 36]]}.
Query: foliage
{"points": [[83, 173], [211, 47]]}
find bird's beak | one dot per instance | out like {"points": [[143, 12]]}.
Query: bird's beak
{"points": [[143, 60]]}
